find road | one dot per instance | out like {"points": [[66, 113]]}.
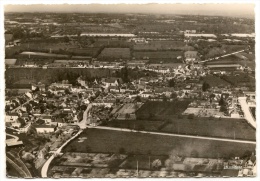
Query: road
{"points": [[21, 105], [47, 163], [18, 165], [83, 124], [222, 56], [176, 135], [245, 108], [15, 138]]}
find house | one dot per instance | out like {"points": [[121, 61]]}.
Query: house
{"points": [[111, 81], [189, 31], [30, 64], [45, 128], [114, 89], [61, 122], [40, 86], [146, 94], [190, 56], [63, 85], [47, 118], [11, 117]]}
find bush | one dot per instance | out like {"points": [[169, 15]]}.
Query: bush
{"points": [[191, 116], [122, 150]]}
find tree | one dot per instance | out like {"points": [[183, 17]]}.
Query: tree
{"points": [[194, 153], [156, 164], [140, 127], [221, 101], [121, 150], [173, 95], [127, 116], [138, 99], [191, 116], [171, 83], [205, 86], [223, 108]]}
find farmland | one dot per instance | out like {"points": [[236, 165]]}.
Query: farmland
{"points": [[157, 56], [153, 110], [85, 51], [136, 124], [37, 46], [115, 53], [110, 43], [107, 141], [48, 75], [241, 79], [215, 81], [161, 45], [212, 127]]}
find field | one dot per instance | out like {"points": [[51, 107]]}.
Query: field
{"points": [[161, 45], [241, 79], [115, 53], [85, 51], [106, 141], [214, 81], [233, 59], [213, 127], [136, 124], [158, 54], [50, 75], [110, 43], [153, 110], [36, 46], [233, 48]]}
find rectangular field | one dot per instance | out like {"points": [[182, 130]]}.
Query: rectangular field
{"points": [[115, 53], [108, 141], [160, 45], [214, 81], [151, 109], [213, 127], [136, 124], [157, 54]]}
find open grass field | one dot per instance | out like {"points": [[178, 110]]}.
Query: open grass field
{"points": [[107, 141], [215, 81], [161, 45], [115, 53], [153, 109], [212, 127]]}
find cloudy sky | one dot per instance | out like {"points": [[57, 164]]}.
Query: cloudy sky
{"points": [[238, 10]]}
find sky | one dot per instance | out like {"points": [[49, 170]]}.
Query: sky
{"points": [[237, 10]]}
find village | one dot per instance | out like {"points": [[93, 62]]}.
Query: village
{"points": [[129, 95]]}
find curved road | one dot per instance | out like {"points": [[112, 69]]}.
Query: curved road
{"points": [[245, 108], [177, 135], [47, 163]]}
